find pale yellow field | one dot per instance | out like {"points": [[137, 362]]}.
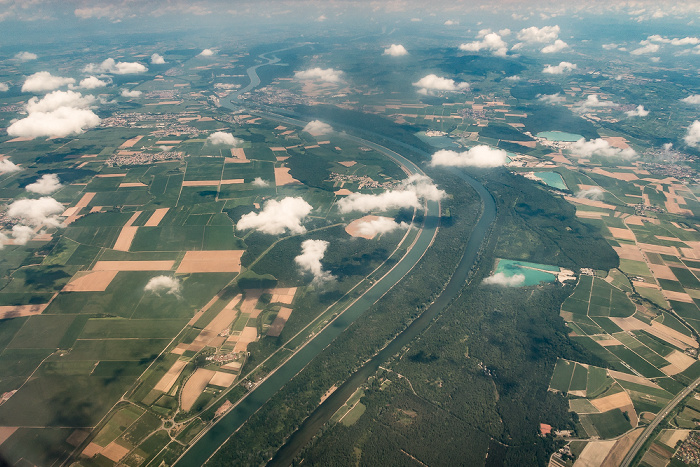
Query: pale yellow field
{"points": [[211, 261], [90, 281], [194, 387]]}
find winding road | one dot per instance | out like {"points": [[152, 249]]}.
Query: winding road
{"points": [[217, 435]]}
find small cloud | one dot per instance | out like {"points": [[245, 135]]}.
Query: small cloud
{"points": [[592, 102], [25, 56], [317, 128], [277, 217], [610, 46], [551, 98], [4, 87], [478, 156], [92, 82], [692, 137], [395, 50], [416, 20], [36, 212], [222, 138], [640, 111], [321, 18], [157, 59], [433, 82], [595, 193], [312, 252], [7, 166], [163, 284], [328, 75], [47, 184], [558, 46], [450, 22], [259, 182], [407, 195], [647, 49], [206, 53], [491, 42], [116, 68], [379, 226], [693, 99], [43, 81], [563, 67], [22, 234], [130, 93], [501, 279], [542, 35], [599, 147], [513, 78]]}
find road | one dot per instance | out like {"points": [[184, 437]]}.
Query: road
{"points": [[661, 416]]}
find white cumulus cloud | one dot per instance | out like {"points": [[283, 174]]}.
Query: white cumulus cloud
{"points": [[7, 166], [163, 284], [500, 278], [312, 252], [407, 195], [157, 59], [379, 226], [60, 123], [692, 99], [646, 49], [259, 182], [541, 35], [36, 212], [47, 184], [43, 81], [396, 50], [599, 147], [563, 67], [317, 128], [222, 138], [433, 82], [692, 138], [593, 193], [491, 42], [206, 53], [450, 22], [557, 46], [25, 56], [110, 65], [130, 93], [22, 234], [592, 102], [93, 82], [328, 75], [57, 99], [277, 217], [4, 87], [478, 156], [640, 111], [551, 98]]}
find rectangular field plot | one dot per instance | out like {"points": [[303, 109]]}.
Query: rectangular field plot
{"points": [[610, 424], [99, 328], [563, 371]]}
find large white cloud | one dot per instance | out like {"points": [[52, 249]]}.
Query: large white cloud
{"points": [[25, 56], [640, 111], [163, 284], [222, 138], [22, 234], [277, 217], [93, 82], [692, 137], [692, 99], [501, 279], [7, 166], [378, 226], [131, 93], [599, 147], [318, 128], [592, 102], [57, 99], [674, 41], [37, 212], [396, 50], [157, 59], [47, 184], [557, 46], [478, 156], [110, 65], [43, 81], [541, 35], [563, 67], [58, 123], [312, 252], [646, 49], [491, 42], [328, 75], [206, 53], [433, 82], [407, 195]]}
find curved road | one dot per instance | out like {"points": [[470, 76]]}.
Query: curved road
{"points": [[660, 417], [224, 428]]}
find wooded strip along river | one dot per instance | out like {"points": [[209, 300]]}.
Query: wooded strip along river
{"points": [[217, 435]]}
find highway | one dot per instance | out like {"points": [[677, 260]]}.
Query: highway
{"points": [[660, 417]]}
